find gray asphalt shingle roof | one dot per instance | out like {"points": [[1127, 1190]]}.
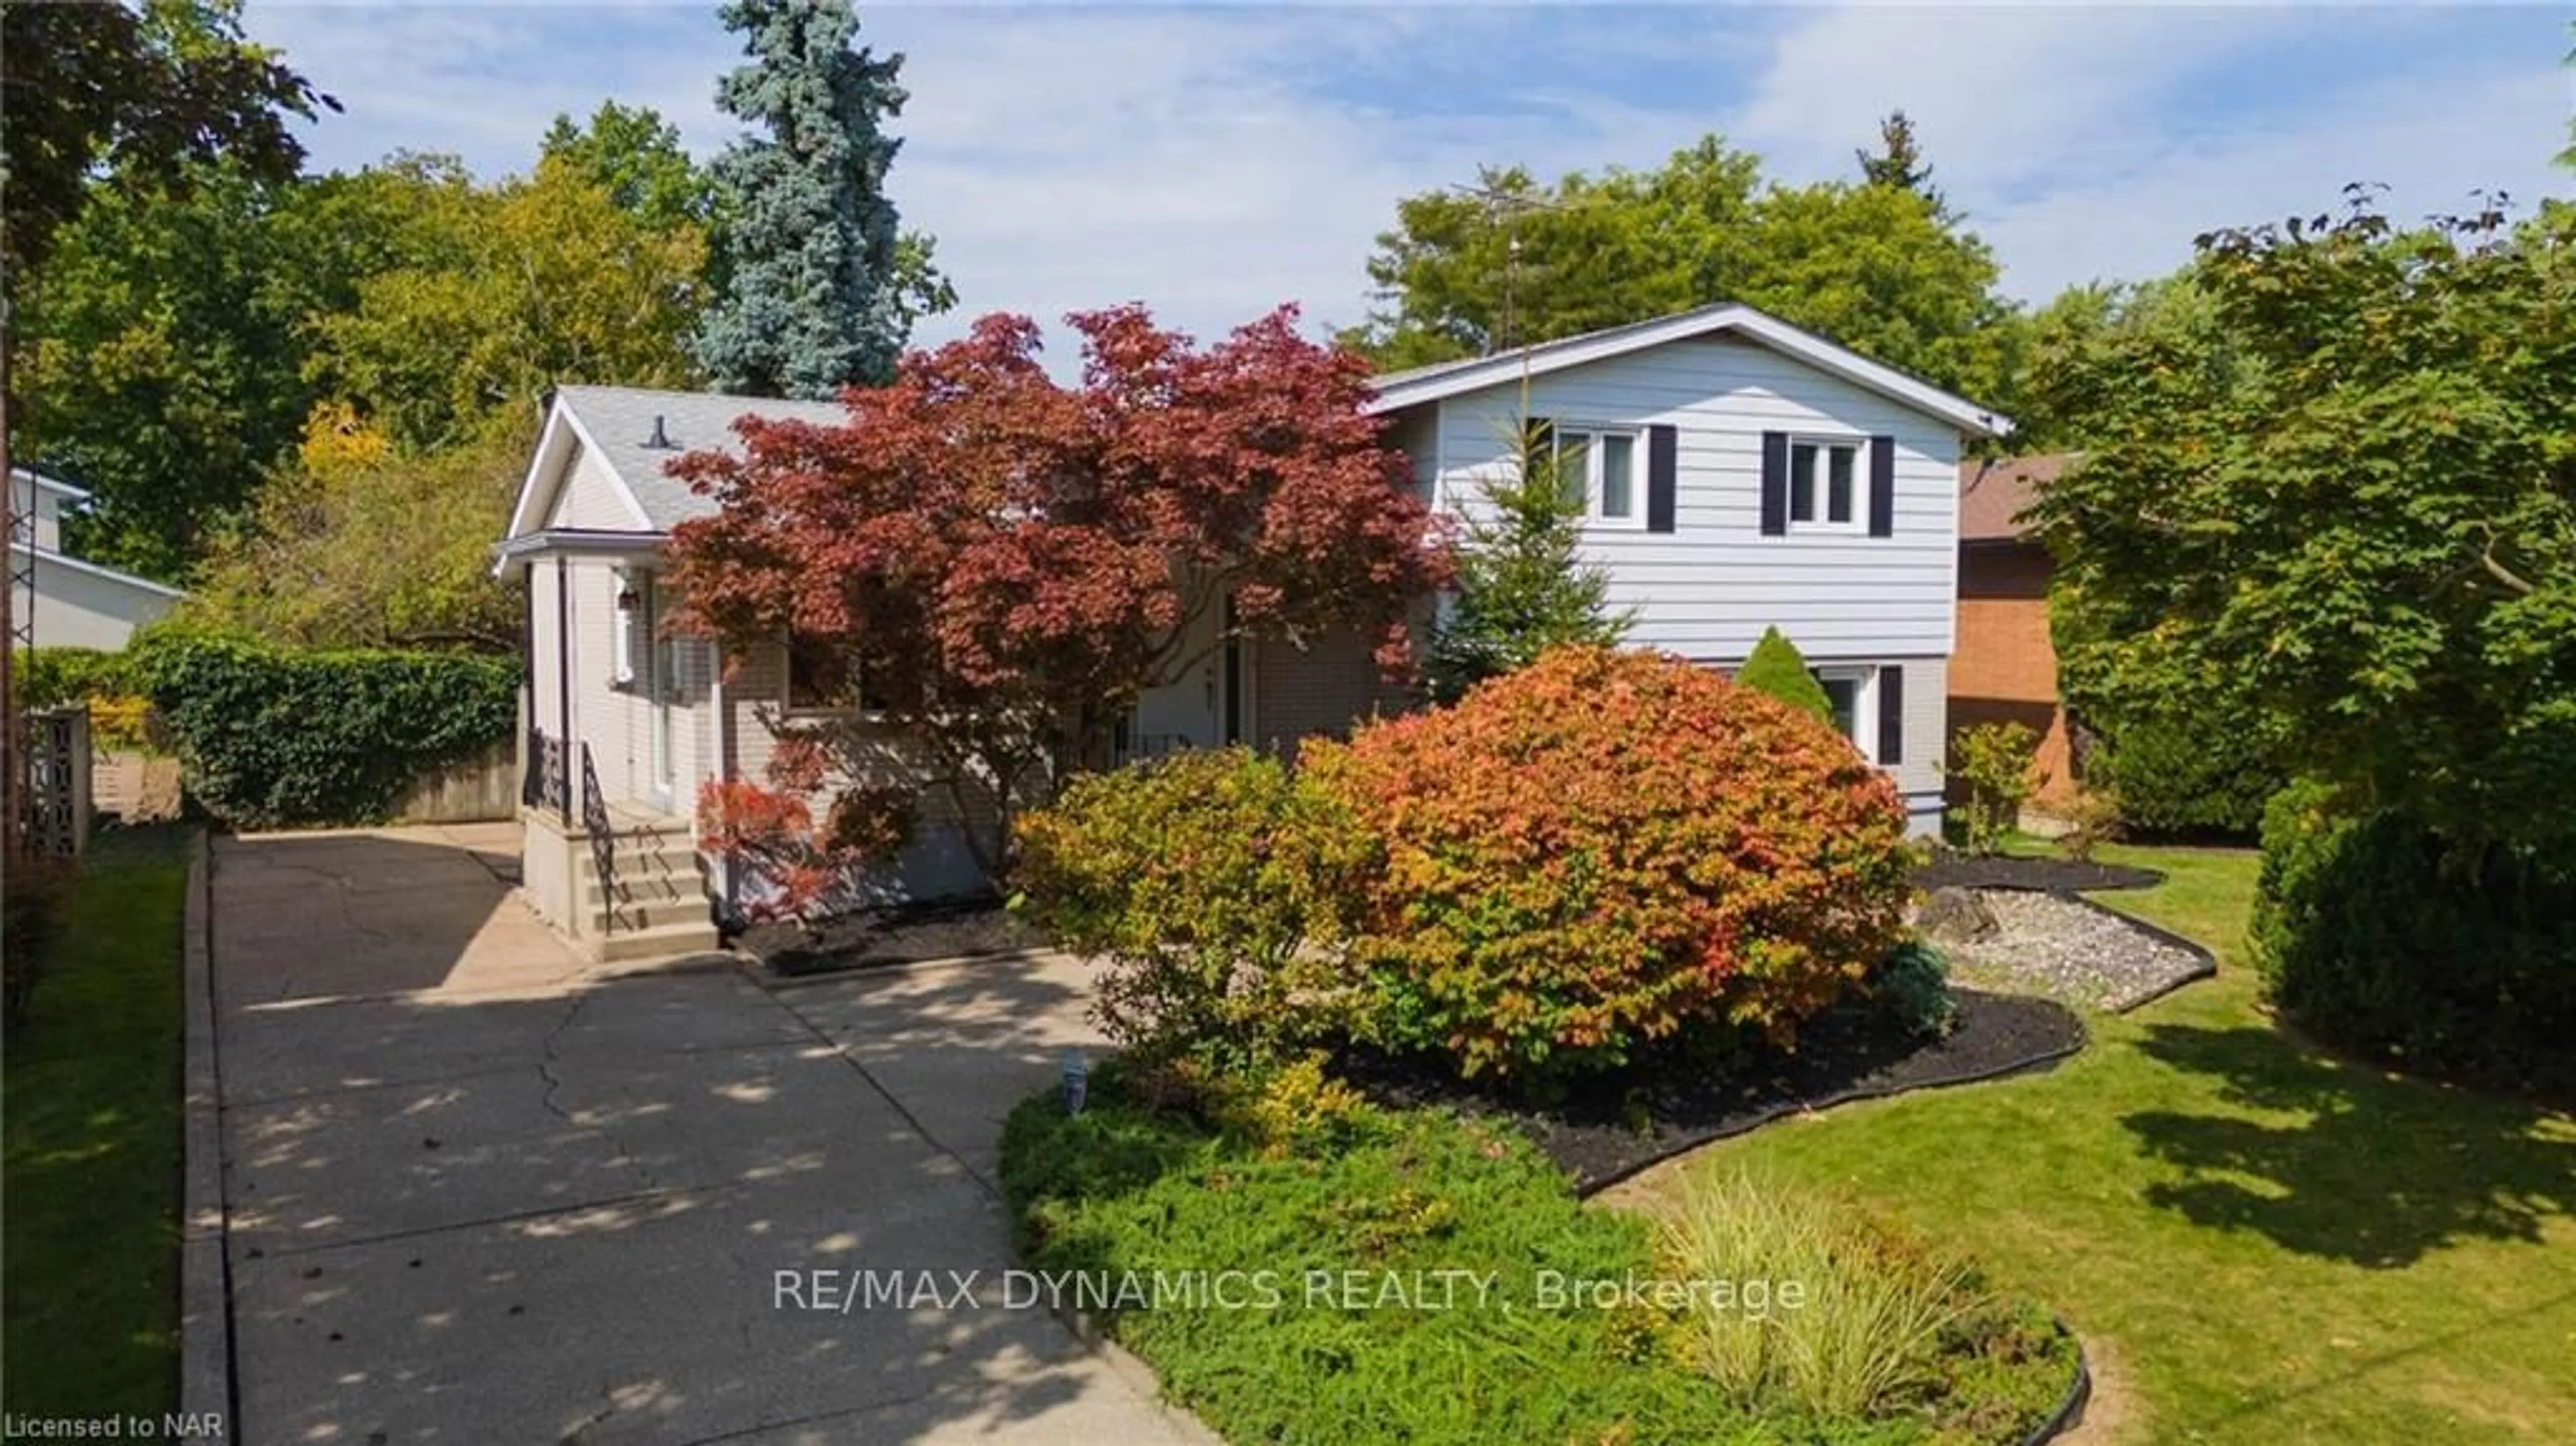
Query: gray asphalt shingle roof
{"points": [[620, 420]]}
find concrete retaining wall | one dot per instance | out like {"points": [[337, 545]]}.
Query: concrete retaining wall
{"points": [[479, 790]]}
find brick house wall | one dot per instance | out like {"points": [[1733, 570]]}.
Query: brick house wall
{"points": [[2005, 670]]}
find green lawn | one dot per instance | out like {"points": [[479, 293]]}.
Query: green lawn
{"points": [[90, 1112], [2259, 1243]]}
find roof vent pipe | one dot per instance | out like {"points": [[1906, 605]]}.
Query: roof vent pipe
{"points": [[660, 441]]}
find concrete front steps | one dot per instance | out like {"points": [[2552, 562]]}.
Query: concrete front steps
{"points": [[653, 900]]}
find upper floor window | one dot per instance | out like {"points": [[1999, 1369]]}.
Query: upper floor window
{"points": [[1598, 467], [1824, 485]]}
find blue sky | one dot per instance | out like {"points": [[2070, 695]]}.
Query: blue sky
{"points": [[1213, 161]]}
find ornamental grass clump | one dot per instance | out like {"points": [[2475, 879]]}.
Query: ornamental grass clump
{"points": [[1603, 850], [1858, 1322]]}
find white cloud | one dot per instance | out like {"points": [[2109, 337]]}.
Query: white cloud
{"points": [[2094, 144], [1214, 162]]}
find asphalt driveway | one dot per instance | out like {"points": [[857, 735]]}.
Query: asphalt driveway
{"points": [[478, 1192]]}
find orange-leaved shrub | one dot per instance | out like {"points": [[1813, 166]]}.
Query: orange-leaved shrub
{"points": [[1605, 849]]}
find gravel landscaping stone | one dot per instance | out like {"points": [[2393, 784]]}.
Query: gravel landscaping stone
{"points": [[2074, 952]]}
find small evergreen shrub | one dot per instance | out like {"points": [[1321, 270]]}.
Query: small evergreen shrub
{"points": [[1779, 669], [1604, 849], [2189, 775], [1913, 987], [1994, 763], [1523, 585], [2381, 936], [273, 737], [1200, 881]]}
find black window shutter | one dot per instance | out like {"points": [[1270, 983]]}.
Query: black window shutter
{"points": [[1891, 716], [1663, 468], [1775, 484], [1882, 486]]}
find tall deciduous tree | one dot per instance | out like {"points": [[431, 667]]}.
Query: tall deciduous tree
{"points": [[1523, 584], [137, 93], [811, 253], [161, 366], [635, 155], [1883, 269], [540, 281], [1512, 261], [2350, 502], [1011, 561]]}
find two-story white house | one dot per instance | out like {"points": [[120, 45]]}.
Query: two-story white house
{"points": [[1738, 474]]}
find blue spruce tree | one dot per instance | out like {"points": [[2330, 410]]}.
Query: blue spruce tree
{"points": [[812, 290]]}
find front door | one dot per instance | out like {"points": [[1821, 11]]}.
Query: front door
{"points": [[660, 682]]}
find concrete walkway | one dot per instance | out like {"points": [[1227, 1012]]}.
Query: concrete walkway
{"points": [[479, 1192]]}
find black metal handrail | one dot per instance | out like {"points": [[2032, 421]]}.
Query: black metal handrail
{"points": [[603, 843], [543, 784]]}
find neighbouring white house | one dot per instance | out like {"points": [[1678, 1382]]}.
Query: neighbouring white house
{"points": [[61, 600], [1739, 474]]}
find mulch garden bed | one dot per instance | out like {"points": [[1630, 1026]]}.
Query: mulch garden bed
{"points": [[1612, 1128], [2053, 876], [904, 934]]}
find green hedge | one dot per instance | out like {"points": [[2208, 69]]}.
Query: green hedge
{"points": [[46, 677], [2380, 936], [274, 737]]}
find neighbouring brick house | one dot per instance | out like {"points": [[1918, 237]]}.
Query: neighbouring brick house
{"points": [[2005, 669]]}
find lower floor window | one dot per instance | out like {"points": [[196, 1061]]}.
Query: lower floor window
{"points": [[1852, 691], [824, 677]]}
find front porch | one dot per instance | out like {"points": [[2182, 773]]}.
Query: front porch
{"points": [[620, 878]]}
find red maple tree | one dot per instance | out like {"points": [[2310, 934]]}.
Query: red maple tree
{"points": [[1012, 561]]}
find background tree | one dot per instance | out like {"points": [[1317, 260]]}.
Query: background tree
{"points": [[139, 94], [360, 546], [1591, 252], [163, 365], [537, 282], [1898, 162], [635, 155], [1883, 269], [1012, 561], [811, 259], [2351, 504], [1523, 585]]}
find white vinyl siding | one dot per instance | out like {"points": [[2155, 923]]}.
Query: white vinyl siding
{"points": [[1709, 587], [591, 500]]}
